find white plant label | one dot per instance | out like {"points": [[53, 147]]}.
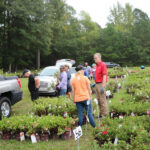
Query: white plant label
{"points": [[112, 114], [120, 117], [77, 132], [120, 125], [65, 114], [108, 93], [116, 141], [70, 133], [132, 114], [33, 138], [96, 101], [119, 85], [22, 137]]}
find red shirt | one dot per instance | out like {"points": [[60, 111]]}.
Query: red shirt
{"points": [[101, 69]]}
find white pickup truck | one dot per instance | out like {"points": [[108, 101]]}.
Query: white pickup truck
{"points": [[10, 94]]}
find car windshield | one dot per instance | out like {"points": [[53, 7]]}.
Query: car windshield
{"points": [[72, 70], [48, 72]]}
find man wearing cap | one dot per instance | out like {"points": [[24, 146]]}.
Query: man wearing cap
{"points": [[101, 79], [33, 84], [81, 92], [62, 86]]}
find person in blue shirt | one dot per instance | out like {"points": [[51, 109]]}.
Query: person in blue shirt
{"points": [[86, 73]]}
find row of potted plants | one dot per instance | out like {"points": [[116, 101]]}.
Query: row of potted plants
{"points": [[117, 72], [128, 108], [44, 127], [122, 130], [128, 126], [55, 106]]}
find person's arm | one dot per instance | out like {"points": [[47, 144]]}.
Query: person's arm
{"points": [[89, 88], [63, 80], [104, 80], [69, 75], [73, 94], [37, 83], [104, 72]]}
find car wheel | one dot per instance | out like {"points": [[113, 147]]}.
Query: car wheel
{"points": [[5, 107]]}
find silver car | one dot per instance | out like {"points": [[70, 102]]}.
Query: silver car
{"points": [[48, 80]]}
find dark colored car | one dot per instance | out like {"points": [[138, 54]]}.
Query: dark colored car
{"points": [[111, 64]]}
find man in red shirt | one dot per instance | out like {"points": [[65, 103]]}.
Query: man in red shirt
{"points": [[101, 79]]}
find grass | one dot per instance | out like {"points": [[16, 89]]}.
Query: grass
{"points": [[25, 106]]}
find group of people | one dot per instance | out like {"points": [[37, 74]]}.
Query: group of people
{"points": [[81, 89], [79, 86]]}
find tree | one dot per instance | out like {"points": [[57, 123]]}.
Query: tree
{"points": [[122, 17], [26, 31], [141, 32]]}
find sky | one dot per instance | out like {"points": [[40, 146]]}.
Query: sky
{"points": [[99, 10]]}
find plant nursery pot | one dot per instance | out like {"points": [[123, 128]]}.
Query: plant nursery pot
{"points": [[55, 136], [111, 96], [6, 136], [76, 123], [66, 135], [27, 137], [17, 137], [100, 143], [44, 137], [114, 91], [37, 136]]}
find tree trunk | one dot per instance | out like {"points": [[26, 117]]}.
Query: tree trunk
{"points": [[9, 68], [38, 59]]}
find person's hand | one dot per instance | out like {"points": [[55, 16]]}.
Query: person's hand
{"points": [[102, 89], [58, 88]]}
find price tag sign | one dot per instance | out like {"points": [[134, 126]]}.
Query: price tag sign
{"points": [[77, 133]]}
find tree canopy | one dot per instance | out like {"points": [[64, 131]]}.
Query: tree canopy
{"points": [[35, 33]]}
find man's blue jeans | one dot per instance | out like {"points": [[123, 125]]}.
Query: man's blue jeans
{"points": [[80, 107], [62, 92]]}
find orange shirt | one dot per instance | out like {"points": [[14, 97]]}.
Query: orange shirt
{"points": [[80, 84]]}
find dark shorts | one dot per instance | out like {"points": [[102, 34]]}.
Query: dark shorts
{"points": [[34, 94]]}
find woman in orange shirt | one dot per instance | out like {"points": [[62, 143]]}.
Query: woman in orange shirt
{"points": [[82, 95]]}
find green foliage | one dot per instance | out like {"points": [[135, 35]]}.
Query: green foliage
{"points": [[33, 124], [55, 106], [125, 130]]}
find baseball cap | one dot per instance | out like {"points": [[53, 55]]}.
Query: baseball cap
{"points": [[25, 71], [62, 67], [79, 67]]}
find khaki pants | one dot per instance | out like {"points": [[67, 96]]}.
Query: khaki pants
{"points": [[101, 100]]}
